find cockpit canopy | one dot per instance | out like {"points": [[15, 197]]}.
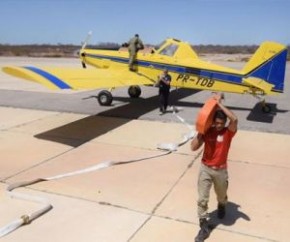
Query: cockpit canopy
{"points": [[175, 48]]}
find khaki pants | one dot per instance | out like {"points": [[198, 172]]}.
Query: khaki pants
{"points": [[207, 177], [132, 58]]}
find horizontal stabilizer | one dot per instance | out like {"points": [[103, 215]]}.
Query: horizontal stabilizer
{"points": [[258, 83]]}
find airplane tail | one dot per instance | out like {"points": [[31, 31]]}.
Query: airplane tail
{"points": [[266, 69]]}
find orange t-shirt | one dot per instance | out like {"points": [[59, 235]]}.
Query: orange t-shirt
{"points": [[216, 147]]}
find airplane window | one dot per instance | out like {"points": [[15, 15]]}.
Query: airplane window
{"points": [[169, 50], [159, 45]]}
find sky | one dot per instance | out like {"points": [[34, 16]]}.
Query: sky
{"points": [[224, 22]]}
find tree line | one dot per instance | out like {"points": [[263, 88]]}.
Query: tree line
{"points": [[69, 50]]}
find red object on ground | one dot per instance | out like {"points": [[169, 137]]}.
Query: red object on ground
{"points": [[205, 116]]}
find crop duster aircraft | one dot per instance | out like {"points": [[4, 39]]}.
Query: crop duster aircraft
{"points": [[262, 75]]}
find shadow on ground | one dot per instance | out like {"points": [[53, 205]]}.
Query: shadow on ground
{"points": [[257, 115], [81, 131], [232, 215]]}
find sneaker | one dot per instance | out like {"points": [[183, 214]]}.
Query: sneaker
{"points": [[162, 111], [221, 211], [174, 109]]}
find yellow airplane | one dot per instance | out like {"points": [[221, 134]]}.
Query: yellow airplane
{"points": [[262, 75]]}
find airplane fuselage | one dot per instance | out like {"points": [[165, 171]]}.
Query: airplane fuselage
{"points": [[186, 73]]}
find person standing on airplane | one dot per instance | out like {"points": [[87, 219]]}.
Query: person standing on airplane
{"points": [[213, 169], [134, 45], [164, 90]]}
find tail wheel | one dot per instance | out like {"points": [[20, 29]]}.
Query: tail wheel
{"points": [[266, 108], [105, 98], [134, 91]]}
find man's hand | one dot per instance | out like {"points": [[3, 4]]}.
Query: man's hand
{"points": [[218, 96], [233, 125], [197, 142]]}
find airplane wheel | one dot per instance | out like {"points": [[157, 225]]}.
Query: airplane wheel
{"points": [[134, 91], [266, 108], [105, 98]]}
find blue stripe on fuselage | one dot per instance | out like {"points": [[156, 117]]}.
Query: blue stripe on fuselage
{"points": [[226, 77], [53, 79]]}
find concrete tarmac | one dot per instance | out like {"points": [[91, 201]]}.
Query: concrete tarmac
{"points": [[44, 133]]}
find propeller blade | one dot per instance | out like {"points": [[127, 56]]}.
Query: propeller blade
{"points": [[87, 39], [84, 46]]}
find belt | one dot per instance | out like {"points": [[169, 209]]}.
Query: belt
{"points": [[223, 166]]}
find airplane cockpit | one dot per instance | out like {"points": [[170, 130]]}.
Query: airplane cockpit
{"points": [[169, 50], [166, 48]]}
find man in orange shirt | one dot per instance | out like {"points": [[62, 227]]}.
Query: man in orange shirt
{"points": [[213, 170]]}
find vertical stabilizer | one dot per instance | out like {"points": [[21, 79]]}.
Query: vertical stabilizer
{"points": [[269, 64]]}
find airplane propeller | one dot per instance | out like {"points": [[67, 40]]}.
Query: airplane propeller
{"points": [[84, 46]]}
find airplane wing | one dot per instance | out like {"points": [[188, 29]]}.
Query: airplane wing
{"points": [[77, 78]]}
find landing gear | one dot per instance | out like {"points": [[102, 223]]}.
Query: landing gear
{"points": [[134, 91], [265, 107], [105, 98]]}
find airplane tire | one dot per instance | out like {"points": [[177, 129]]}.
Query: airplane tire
{"points": [[134, 91], [105, 98], [266, 108]]}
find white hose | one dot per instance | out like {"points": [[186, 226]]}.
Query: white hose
{"points": [[186, 137], [46, 206]]}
